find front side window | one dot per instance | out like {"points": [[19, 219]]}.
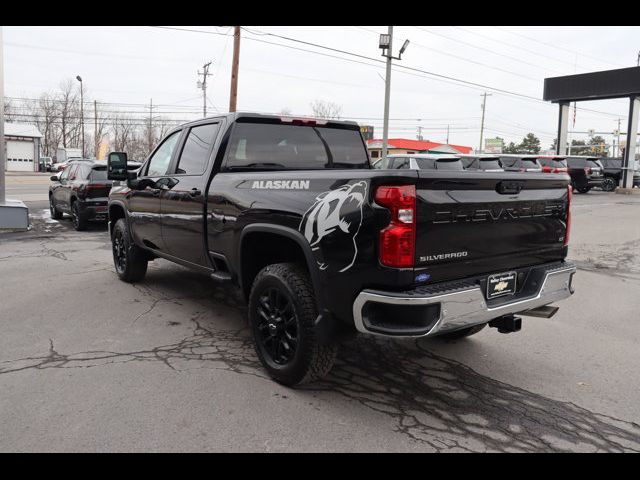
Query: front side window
{"points": [[159, 162], [400, 163], [195, 153]]}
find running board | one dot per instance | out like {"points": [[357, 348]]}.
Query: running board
{"points": [[546, 311]]}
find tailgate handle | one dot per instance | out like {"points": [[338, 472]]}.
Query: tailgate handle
{"points": [[507, 187]]}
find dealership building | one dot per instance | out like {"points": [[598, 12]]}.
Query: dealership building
{"points": [[22, 147]]}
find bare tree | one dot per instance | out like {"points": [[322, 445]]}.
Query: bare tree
{"points": [[69, 111], [285, 111], [45, 115], [326, 109], [8, 111]]}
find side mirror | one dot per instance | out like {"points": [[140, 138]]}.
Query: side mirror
{"points": [[53, 178], [117, 166]]}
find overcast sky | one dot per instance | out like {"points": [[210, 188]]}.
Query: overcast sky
{"points": [[131, 65]]}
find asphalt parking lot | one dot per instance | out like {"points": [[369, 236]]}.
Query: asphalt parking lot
{"points": [[89, 363]]}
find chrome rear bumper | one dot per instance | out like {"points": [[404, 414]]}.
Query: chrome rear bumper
{"points": [[465, 306]]}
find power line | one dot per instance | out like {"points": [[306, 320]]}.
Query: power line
{"points": [[560, 48]]}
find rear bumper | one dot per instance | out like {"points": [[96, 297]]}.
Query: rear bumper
{"points": [[595, 182], [420, 313], [95, 210]]}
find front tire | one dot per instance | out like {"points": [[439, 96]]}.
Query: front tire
{"points": [[55, 213], [130, 260], [282, 314], [79, 221]]}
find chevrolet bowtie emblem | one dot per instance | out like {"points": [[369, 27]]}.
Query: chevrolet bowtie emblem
{"points": [[500, 286]]}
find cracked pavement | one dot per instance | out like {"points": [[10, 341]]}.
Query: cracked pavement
{"points": [[88, 363]]}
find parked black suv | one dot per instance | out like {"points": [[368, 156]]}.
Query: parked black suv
{"points": [[613, 174], [520, 163], [585, 172], [81, 190], [482, 163]]}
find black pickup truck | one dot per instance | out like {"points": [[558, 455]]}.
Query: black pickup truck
{"points": [[324, 246]]}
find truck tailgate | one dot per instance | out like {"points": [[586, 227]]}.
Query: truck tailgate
{"points": [[484, 222]]}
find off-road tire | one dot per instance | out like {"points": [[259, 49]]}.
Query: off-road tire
{"points": [[129, 260], [465, 332], [79, 220], [311, 359], [55, 213]]}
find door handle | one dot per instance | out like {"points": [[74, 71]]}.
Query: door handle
{"points": [[195, 192]]}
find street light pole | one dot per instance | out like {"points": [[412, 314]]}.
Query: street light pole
{"points": [[387, 93], [79, 78], [386, 44]]}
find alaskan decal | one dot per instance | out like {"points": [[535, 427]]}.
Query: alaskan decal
{"points": [[337, 212], [281, 184]]}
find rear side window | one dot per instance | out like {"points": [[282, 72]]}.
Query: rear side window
{"points": [[98, 174], [197, 148], [295, 147]]}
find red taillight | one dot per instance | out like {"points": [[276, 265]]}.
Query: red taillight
{"points": [[93, 186], [587, 171], [547, 169], [568, 231], [398, 239]]}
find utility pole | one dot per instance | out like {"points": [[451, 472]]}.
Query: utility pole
{"points": [[95, 129], [233, 96], [79, 78], [203, 85], [386, 45], [419, 132], [447, 134], [484, 104]]}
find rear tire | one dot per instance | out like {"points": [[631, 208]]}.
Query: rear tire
{"points": [[79, 221], [609, 184], [465, 332], [55, 213], [130, 260], [584, 189], [282, 315]]}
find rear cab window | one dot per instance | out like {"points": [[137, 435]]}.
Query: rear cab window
{"points": [[449, 164], [275, 146]]}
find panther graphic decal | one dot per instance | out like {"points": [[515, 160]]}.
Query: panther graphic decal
{"points": [[337, 212]]}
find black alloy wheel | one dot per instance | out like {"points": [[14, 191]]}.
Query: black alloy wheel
{"points": [[119, 251], [277, 326]]}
